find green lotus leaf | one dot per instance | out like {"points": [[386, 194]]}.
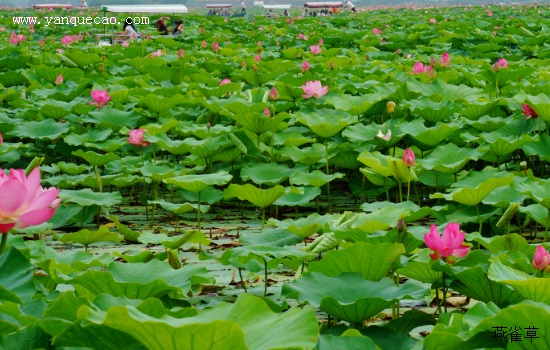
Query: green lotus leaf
{"points": [[135, 257], [541, 104], [502, 197], [92, 135], [252, 258], [87, 237], [360, 300], [45, 129], [333, 342], [128, 234], [487, 123], [156, 172], [198, 183], [428, 138], [509, 243], [208, 147], [400, 171], [537, 189], [153, 279], [298, 199], [476, 110], [80, 58], [16, 277], [525, 285], [315, 178], [357, 105], [416, 213], [12, 78], [501, 146], [373, 262], [160, 105], [441, 91], [86, 197], [325, 122], [257, 196], [154, 129], [96, 159], [476, 186], [179, 208], [57, 109], [73, 169], [307, 155], [377, 162], [539, 149], [303, 227], [420, 268], [267, 174], [113, 118], [174, 242], [449, 158], [537, 212], [167, 144], [433, 111]]}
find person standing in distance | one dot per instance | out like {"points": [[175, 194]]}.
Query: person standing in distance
{"points": [[243, 7], [350, 6]]}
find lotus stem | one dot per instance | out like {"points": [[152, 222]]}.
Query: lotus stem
{"points": [[396, 279], [98, 178], [546, 229], [263, 218], [141, 153], [409, 186], [4, 242], [242, 280], [265, 277], [437, 300], [444, 294], [479, 218], [199, 213], [327, 172]]}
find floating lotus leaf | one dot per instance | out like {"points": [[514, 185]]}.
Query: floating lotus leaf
{"points": [[198, 183], [449, 158], [179, 208], [419, 268], [113, 118], [476, 110], [307, 155], [167, 144], [269, 174], [87, 197], [373, 262], [87, 237], [303, 227], [160, 105], [360, 300], [538, 213], [539, 149], [501, 146], [45, 129], [80, 58], [157, 173], [253, 257], [73, 169], [441, 91], [325, 122], [377, 162]]}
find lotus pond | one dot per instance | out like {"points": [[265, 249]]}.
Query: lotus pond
{"points": [[278, 183]]}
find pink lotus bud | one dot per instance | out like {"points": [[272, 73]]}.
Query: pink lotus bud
{"points": [[1, 138], [433, 20], [331, 65], [136, 138], [225, 81], [528, 111], [41, 43], [315, 49], [204, 44], [305, 66], [181, 54], [257, 58], [259, 43], [267, 112], [208, 125], [124, 44], [541, 258], [445, 60], [500, 64], [376, 31], [321, 41], [273, 94], [243, 64], [59, 80], [408, 158]]}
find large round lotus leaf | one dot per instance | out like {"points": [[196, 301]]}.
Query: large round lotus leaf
{"points": [[358, 301], [373, 262], [45, 129], [87, 197], [537, 189], [428, 138], [269, 174], [300, 198], [449, 158], [197, 183], [304, 227], [325, 122], [316, 178], [257, 196]]}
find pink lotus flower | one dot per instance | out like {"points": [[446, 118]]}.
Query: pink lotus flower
{"points": [[541, 258], [24, 203], [257, 58], [273, 94], [100, 97], [136, 138], [315, 49], [156, 53], [451, 243], [215, 46], [181, 54], [59, 80], [204, 44], [41, 42], [433, 20], [302, 36], [376, 31], [201, 30], [305, 66], [314, 89], [1, 138], [381, 135], [490, 14], [419, 68], [500, 64], [66, 40], [528, 111], [21, 38], [243, 64], [267, 112], [225, 81], [259, 43], [321, 41], [408, 158], [445, 60]]}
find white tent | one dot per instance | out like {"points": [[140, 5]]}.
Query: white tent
{"points": [[145, 8], [277, 7]]}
